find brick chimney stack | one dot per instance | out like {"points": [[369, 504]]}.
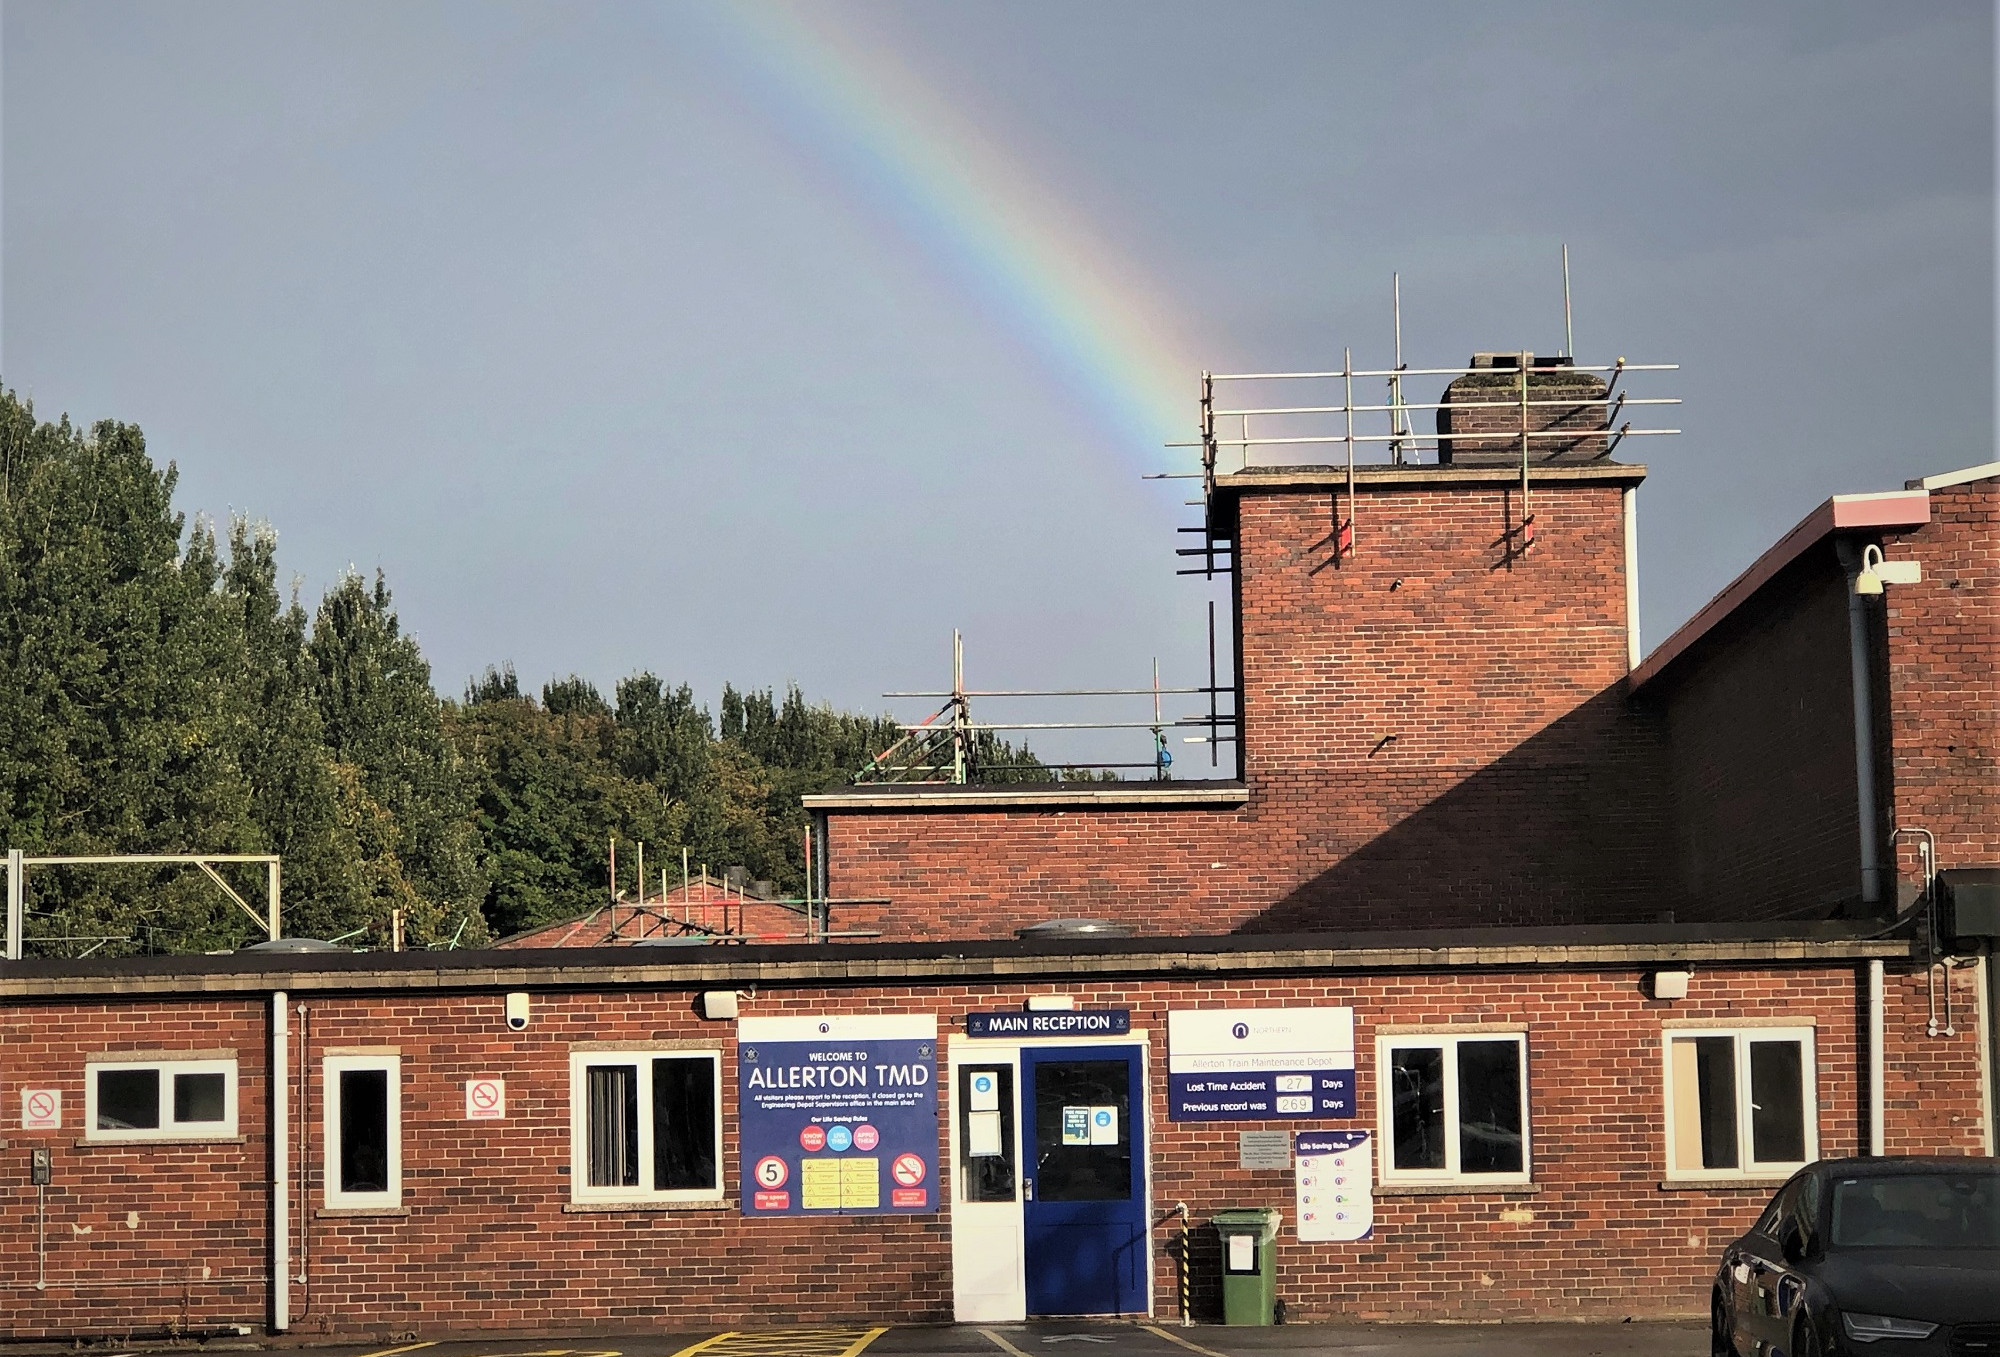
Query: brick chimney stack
{"points": [[1493, 397]]}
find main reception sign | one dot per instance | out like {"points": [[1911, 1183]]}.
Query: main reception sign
{"points": [[1260, 1064], [838, 1115]]}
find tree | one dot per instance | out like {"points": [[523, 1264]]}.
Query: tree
{"points": [[116, 684], [409, 801]]}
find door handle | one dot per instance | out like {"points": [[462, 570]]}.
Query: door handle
{"points": [[1029, 1185]]}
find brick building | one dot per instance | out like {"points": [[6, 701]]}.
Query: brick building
{"points": [[1560, 959]]}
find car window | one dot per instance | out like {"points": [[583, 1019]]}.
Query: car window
{"points": [[1805, 1206], [1783, 1203], [1939, 1209]]}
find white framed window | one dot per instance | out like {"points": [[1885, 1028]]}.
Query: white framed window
{"points": [[1740, 1102], [158, 1098], [1453, 1107], [645, 1126], [362, 1131]]}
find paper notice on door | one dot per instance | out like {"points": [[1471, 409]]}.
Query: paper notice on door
{"points": [[1076, 1126], [1242, 1253], [985, 1089], [982, 1134], [1104, 1126]]}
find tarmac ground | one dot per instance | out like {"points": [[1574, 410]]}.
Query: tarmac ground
{"points": [[1069, 1338]]}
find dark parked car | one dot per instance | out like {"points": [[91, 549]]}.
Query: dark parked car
{"points": [[1877, 1256]]}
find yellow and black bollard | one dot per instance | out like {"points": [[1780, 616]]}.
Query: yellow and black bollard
{"points": [[1186, 1318]]}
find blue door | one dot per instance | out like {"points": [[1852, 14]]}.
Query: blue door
{"points": [[1083, 1143]]}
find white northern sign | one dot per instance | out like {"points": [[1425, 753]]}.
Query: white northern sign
{"points": [[1260, 1064]]}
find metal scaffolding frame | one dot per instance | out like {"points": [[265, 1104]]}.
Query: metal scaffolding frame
{"points": [[943, 747], [18, 863]]}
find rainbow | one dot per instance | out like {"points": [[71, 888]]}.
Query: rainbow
{"points": [[1021, 254]]}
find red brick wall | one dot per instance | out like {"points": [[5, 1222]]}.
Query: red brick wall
{"points": [[486, 1242], [139, 1237], [1944, 652], [1435, 734], [1759, 722], [1923, 1067]]}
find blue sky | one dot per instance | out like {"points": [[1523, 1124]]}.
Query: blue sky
{"points": [[730, 342]]}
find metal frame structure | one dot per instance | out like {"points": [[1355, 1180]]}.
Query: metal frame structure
{"points": [[942, 747], [18, 863], [1398, 438]]}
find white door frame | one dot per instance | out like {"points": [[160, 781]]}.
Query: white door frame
{"points": [[970, 1234]]}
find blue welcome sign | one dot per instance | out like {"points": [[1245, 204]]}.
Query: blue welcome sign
{"points": [[838, 1115]]}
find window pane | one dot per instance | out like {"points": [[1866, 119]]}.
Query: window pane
{"points": [[683, 1123], [612, 1134], [128, 1100], [1489, 1107], [1715, 1075], [1066, 1171], [198, 1097], [986, 1132], [364, 1130], [1777, 1102], [1416, 1079]]}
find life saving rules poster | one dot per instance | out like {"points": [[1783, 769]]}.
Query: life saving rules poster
{"points": [[839, 1115]]}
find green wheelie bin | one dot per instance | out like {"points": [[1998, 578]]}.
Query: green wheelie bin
{"points": [[1249, 1264]]}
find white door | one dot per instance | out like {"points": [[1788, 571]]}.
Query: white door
{"points": [[989, 1285]]}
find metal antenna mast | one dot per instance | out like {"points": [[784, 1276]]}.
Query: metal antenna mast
{"points": [[1569, 339], [1399, 419]]}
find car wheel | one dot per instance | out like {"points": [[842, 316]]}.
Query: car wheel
{"points": [[1720, 1343], [1805, 1340]]}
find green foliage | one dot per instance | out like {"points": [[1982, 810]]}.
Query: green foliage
{"points": [[157, 697], [159, 693]]}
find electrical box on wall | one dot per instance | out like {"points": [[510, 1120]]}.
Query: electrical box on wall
{"points": [[718, 1005], [41, 1167], [1671, 984], [1969, 899]]}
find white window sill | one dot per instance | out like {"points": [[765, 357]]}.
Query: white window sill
{"points": [[343, 1212], [1457, 1189], [139, 1142], [1747, 1183], [570, 1208]]}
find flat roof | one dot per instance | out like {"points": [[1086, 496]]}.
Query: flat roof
{"points": [[1885, 510], [921, 964], [962, 797]]}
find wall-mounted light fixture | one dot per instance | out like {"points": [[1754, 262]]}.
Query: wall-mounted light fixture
{"points": [[718, 1005], [1876, 572], [1051, 1003], [1671, 985]]}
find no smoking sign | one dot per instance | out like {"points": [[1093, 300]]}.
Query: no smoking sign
{"points": [[41, 1109], [485, 1099]]}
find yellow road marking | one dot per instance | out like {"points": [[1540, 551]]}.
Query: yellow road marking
{"points": [[785, 1343], [407, 1347], [1003, 1344], [854, 1348], [687, 1351], [1176, 1338]]}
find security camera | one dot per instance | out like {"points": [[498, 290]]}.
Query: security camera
{"points": [[517, 1010]]}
